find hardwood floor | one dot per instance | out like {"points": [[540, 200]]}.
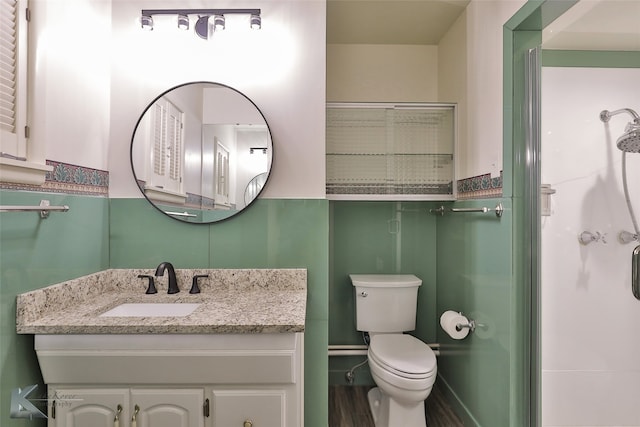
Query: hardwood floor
{"points": [[348, 407]]}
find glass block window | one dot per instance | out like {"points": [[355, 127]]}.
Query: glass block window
{"points": [[404, 150]]}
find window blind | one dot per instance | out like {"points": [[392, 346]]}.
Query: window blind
{"points": [[13, 78], [8, 64], [390, 149]]}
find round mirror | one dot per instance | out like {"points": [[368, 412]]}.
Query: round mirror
{"points": [[201, 152]]}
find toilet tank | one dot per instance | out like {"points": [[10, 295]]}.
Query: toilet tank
{"points": [[385, 302]]}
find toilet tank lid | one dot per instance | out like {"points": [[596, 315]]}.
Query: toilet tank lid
{"points": [[385, 280]]}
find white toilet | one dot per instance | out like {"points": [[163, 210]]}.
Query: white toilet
{"points": [[403, 367]]}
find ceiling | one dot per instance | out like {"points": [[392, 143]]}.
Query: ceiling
{"points": [[590, 24], [596, 25], [391, 21]]}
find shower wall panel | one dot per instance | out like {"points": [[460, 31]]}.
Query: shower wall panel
{"points": [[589, 344], [474, 276]]}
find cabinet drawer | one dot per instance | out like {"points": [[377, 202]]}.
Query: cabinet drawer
{"points": [[251, 368], [222, 359], [263, 408]]}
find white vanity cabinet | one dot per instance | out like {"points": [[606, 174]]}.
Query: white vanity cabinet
{"points": [[74, 407], [173, 380], [168, 407], [97, 407], [250, 408]]}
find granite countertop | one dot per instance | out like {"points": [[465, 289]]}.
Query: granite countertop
{"points": [[234, 301]]}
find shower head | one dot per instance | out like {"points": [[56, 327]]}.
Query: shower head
{"points": [[629, 142], [605, 115]]}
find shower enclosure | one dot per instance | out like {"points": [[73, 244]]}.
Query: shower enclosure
{"points": [[590, 165], [570, 208]]}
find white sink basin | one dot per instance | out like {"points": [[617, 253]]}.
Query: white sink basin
{"points": [[177, 309]]}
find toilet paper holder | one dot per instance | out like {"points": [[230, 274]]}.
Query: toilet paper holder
{"points": [[471, 326]]}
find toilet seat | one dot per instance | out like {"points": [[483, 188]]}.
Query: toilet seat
{"points": [[403, 355]]}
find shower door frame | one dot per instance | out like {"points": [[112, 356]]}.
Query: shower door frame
{"points": [[521, 151], [533, 229]]}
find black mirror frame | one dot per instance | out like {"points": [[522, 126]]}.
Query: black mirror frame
{"points": [[151, 202]]}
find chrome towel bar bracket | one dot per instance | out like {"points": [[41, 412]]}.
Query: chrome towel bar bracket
{"points": [[44, 208], [499, 209]]}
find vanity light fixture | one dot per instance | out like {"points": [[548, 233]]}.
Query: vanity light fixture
{"points": [[218, 23], [255, 22], [204, 26], [183, 22], [146, 22]]}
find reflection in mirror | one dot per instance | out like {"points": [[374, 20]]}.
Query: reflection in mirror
{"points": [[201, 152]]}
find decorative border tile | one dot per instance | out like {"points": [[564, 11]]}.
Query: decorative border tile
{"points": [[200, 202], [389, 189], [69, 179], [73, 179], [480, 187]]}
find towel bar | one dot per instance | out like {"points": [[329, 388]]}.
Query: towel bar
{"points": [[44, 208], [499, 209]]}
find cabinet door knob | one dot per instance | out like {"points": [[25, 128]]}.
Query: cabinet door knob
{"points": [[247, 423]]}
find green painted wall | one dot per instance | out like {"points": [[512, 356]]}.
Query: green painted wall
{"points": [[34, 253], [590, 58], [98, 233], [471, 263], [464, 260], [378, 238], [290, 233], [474, 276]]}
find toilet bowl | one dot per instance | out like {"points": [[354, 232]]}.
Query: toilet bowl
{"points": [[404, 369]]}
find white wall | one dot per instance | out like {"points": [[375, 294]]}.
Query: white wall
{"points": [[95, 76], [281, 68], [452, 81], [590, 346], [470, 73], [483, 151], [382, 73], [466, 68], [69, 100]]}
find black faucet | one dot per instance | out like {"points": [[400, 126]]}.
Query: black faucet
{"points": [[173, 283]]}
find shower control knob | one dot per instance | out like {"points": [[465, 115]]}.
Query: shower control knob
{"points": [[587, 237], [626, 237], [247, 423], [364, 294]]}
